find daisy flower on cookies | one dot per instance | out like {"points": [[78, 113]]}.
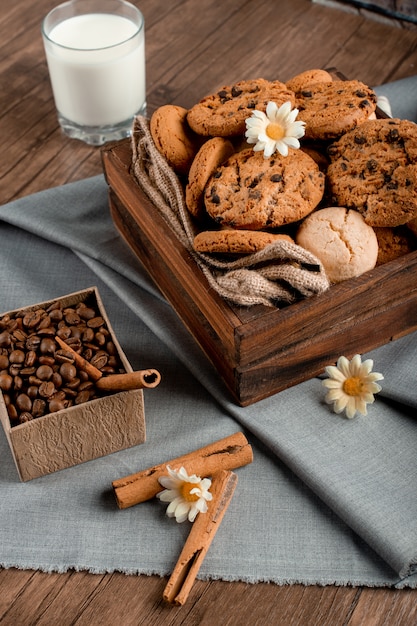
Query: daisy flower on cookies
{"points": [[351, 385], [187, 495], [274, 130]]}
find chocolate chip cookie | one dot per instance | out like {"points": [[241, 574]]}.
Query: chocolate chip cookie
{"points": [[223, 114], [173, 137], [333, 108], [252, 192], [211, 154], [374, 170], [307, 78], [230, 241]]}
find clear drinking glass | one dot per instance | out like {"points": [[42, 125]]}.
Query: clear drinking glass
{"points": [[95, 50]]}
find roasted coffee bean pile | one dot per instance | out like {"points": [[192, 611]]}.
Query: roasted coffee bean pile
{"points": [[38, 377]]}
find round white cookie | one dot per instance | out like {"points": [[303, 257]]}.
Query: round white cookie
{"points": [[341, 240]]}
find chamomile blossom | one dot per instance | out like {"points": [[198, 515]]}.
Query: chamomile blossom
{"points": [[274, 130], [187, 495], [351, 385]]}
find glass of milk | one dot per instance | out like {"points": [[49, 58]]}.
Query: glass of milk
{"points": [[95, 50]]}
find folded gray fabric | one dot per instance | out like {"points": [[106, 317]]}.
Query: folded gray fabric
{"points": [[326, 500]]}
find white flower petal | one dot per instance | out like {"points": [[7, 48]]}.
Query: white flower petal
{"points": [[341, 403], [333, 395], [168, 495], [282, 148], [335, 373], [356, 366], [331, 383], [269, 149], [271, 110], [292, 142], [350, 408], [344, 366]]}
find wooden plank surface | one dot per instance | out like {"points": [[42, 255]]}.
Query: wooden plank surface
{"points": [[193, 47]]}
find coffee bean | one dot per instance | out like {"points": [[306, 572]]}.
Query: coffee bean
{"points": [[36, 375], [68, 371], [46, 389], [32, 318], [44, 372], [23, 402], [47, 346], [25, 416], [6, 382]]}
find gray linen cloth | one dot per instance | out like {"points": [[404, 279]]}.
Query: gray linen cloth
{"points": [[326, 500]]}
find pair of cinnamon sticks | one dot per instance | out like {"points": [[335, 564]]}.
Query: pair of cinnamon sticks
{"points": [[216, 461]]}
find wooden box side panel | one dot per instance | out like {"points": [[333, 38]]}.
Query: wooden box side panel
{"points": [[220, 353], [307, 359], [363, 303], [162, 240]]}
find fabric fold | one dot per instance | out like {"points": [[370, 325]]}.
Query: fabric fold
{"points": [[364, 470]]}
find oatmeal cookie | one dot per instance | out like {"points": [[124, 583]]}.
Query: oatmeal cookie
{"points": [[252, 192], [223, 114], [333, 108], [374, 170]]}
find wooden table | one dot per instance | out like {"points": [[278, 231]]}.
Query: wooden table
{"points": [[193, 47]]}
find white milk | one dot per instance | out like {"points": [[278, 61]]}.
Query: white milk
{"points": [[97, 80]]}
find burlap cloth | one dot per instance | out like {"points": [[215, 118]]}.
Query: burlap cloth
{"points": [[281, 273]]}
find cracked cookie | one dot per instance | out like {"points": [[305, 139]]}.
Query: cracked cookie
{"points": [[228, 241], [333, 108], [373, 169], [340, 238], [252, 192], [223, 114]]}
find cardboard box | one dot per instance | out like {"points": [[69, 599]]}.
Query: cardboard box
{"points": [[82, 432]]}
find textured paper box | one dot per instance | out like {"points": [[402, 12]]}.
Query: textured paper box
{"points": [[79, 433]]}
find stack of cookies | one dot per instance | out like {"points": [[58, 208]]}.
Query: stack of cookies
{"points": [[347, 195]]}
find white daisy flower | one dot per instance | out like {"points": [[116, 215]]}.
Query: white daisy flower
{"points": [[187, 495], [351, 385], [275, 130]]}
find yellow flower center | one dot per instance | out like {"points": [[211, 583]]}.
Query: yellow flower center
{"points": [[185, 492], [275, 131], [353, 386]]}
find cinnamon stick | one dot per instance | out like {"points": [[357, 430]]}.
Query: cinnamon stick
{"points": [[93, 372], [226, 454], [200, 538], [131, 380]]}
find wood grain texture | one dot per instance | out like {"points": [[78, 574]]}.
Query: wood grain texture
{"points": [[193, 46]]}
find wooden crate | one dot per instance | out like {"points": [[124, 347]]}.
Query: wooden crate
{"points": [[82, 432], [259, 351]]}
